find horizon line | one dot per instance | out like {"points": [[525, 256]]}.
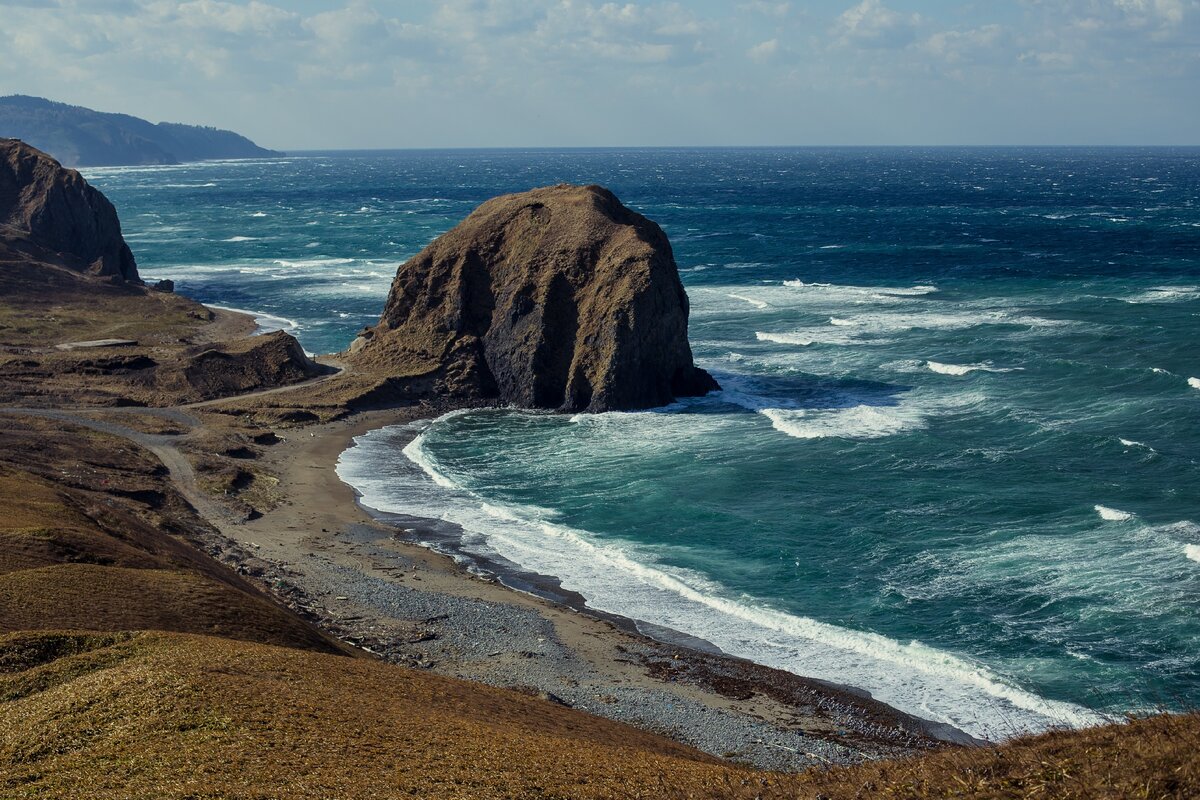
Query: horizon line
{"points": [[496, 148]]}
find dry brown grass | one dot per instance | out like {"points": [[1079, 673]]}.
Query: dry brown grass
{"points": [[45, 304], [168, 715], [1149, 759], [172, 715], [106, 598], [93, 537]]}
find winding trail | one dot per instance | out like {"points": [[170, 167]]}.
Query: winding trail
{"points": [[161, 445]]}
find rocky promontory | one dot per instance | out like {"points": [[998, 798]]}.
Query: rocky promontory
{"points": [[78, 325], [46, 207], [559, 298]]}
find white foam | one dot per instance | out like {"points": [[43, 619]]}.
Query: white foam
{"points": [[259, 214], [1113, 514], [1192, 551], [1159, 371], [751, 300], [1166, 294], [1194, 383], [880, 327], [267, 323], [784, 338], [1132, 443], [950, 369], [964, 369], [619, 577], [241, 239], [860, 291], [858, 422], [313, 262]]}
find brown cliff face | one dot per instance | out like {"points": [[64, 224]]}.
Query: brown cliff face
{"points": [[558, 298], [55, 209]]}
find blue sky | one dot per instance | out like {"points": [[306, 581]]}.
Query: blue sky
{"points": [[412, 73]]}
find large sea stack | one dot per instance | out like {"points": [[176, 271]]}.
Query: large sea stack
{"points": [[557, 298], [48, 208]]}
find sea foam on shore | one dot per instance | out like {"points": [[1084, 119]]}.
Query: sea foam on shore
{"points": [[624, 579]]}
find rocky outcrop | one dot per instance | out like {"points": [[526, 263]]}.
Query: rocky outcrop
{"points": [[56, 211], [242, 365], [558, 298]]}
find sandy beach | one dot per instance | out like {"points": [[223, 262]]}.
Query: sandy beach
{"points": [[368, 579]]}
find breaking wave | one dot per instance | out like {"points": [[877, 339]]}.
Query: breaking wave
{"points": [[622, 578]]}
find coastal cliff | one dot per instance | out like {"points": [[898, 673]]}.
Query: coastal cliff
{"points": [[55, 209], [78, 324], [559, 298]]}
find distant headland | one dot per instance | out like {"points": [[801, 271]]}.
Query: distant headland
{"points": [[81, 137]]}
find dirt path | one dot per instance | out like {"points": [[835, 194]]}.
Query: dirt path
{"points": [[162, 446]]}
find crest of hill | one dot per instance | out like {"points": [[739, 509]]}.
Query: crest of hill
{"points": [[558, 298], [81, 137]]}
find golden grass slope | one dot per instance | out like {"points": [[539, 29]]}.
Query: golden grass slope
{"points": [[169, 715], [172, 715]]}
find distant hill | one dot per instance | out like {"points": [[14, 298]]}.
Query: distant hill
{"points": [[81, 137]]}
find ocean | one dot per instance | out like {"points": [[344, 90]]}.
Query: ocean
{"points": [[954, 458]]}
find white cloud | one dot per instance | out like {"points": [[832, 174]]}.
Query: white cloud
{"points": [[872, 24], [986, 44], [528, 71], [765, 8], [763, 51]]}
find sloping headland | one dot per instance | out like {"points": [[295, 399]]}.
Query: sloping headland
{"points": [[81, 137], [192, 604]]}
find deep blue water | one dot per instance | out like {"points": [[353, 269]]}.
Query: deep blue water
{"points": [[954, 461]]}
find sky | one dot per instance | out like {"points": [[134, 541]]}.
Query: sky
{"points": [[316, 74]]}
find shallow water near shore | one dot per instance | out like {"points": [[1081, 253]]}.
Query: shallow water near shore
{"points": [[953, 461]]}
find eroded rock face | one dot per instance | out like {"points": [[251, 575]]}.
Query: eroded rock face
{"points": [[558, 298], [55, 209]]}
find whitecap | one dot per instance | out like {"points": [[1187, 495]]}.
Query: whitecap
{"points": [[1132, 443], [909, 291], [783, 338], [964, 369], [1113, 514], [858, 422], [877, 327], [752, 301], [241, 239], [1166, 294], [1194, 383], [259, 214], [313, 262], [1192, 551]]}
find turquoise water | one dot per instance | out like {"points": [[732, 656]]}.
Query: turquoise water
{"points": [[954, 459]]}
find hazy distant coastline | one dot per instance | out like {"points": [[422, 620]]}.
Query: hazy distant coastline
{"points": [[81, 137]]}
